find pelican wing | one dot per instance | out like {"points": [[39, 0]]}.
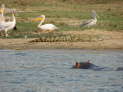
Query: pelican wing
{"points": [[5, 25], [2, 27], [85, 23], [48, 27]]}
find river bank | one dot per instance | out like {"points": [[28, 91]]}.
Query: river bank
{"points": [[107, 40]]}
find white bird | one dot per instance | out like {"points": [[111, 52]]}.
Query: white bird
{"points": [[2, 18], [90, 22], [4, 10], [8, 25], [45, 27]]}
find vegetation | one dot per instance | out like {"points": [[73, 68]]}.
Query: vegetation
{"points": [[65, 14], [62, 37]]}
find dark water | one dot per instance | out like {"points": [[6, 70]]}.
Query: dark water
{"points": [[50, 71]]}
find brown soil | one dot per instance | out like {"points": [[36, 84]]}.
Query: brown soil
{"points": [[108, 40]]}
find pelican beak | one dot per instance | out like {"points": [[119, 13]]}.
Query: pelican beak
{"points": [[1, 10], [38, 19]]}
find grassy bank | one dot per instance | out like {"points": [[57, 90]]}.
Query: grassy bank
{"points": [[65, 14]]}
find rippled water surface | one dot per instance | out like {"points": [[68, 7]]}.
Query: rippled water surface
{"points": [[50, 71]]}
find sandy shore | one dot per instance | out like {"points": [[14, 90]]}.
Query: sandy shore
{"points": [[111, 40]]}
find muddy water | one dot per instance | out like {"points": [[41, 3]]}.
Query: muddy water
{"points": [[50, 71]]}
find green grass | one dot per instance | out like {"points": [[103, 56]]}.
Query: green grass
{"points": [[109, 12]]}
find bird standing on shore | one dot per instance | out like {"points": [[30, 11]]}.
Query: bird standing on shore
{"points": [[90, 22], [45, 27], [2, 9], [8, 25]]}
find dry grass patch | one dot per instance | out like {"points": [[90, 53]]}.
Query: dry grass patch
{"points": [[79, 36]]}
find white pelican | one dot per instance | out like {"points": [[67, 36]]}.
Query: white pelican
{"points": [[90, 22], [8, 25], [2, 9], [45, 27]]}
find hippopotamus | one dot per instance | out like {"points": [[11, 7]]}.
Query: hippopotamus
{"points": [[89, 65], [119, 69]]}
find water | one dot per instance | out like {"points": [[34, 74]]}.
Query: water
{"points": [[50, 71]]}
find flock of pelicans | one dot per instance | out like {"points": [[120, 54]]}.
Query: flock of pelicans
{"points": [[9, 23]]}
